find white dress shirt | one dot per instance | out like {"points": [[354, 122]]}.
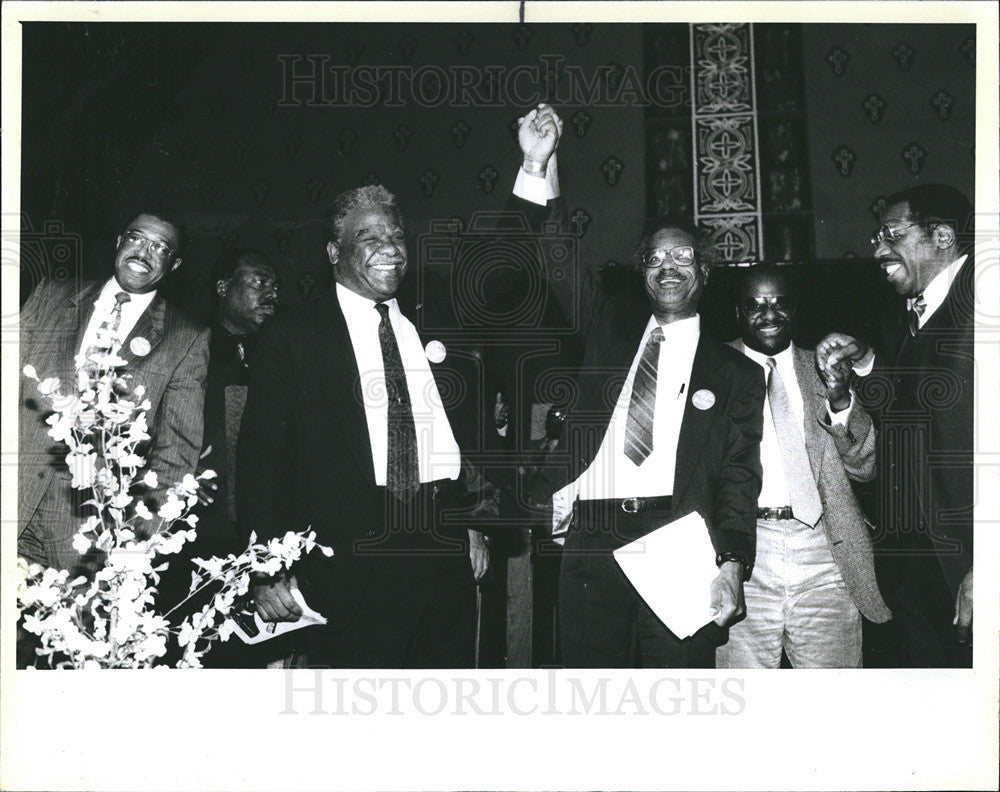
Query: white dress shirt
{"points": [[614, 475], [536, 188], [438, 455], [103, 307], [774, 488]]}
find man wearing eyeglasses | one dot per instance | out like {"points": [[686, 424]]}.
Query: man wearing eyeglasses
{"points": [[814, 576], [666, 421], [164, 351], [920, 388]]}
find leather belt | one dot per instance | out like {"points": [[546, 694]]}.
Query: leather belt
{"points": [[633, 505], [774, 513]]}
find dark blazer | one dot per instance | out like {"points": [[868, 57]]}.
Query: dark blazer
{"points": [[718, 471], [921, 393], [53, 322], [304, 455]]}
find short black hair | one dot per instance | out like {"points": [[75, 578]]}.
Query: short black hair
{"points": [[227, 264], [160, 214], [370, 196], [747, 275], [939, 204]]}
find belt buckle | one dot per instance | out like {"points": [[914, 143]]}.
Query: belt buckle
{"points": [[630, 502]]}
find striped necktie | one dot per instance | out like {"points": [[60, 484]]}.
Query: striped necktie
{"points": [[402, 468], [642, 406]]}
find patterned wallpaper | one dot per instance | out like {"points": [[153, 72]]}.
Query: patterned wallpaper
{"points": [[888, 107], [249, 163]]}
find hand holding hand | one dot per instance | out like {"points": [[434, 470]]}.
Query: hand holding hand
{"points": [[838, 348], [727, 594], [273, 598], [479, 554], [538, 134], [963, 610]]}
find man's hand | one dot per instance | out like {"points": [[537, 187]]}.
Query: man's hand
{"points": [[538, 135], [838, 348], [963, 611], [273, 598], [727, 594], [837, 379], [479, 554]]}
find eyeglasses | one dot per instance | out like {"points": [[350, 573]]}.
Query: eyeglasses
{"points": [[886, 234], [755, 306], [156, 247], [682, 255]]}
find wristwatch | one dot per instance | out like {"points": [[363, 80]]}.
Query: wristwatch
{"points": [[534, 168], [721, 558]]}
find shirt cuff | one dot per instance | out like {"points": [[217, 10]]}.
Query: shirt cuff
{"points": [[843, 416], [864, 366], [538, 189]]}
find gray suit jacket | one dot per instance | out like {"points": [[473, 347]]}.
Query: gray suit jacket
{"points": [[837, 454], [53, 321]]}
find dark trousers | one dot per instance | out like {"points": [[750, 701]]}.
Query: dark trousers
{"points": [[603, 622], [418, 609], [921, 633]]}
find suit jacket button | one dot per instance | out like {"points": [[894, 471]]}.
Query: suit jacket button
{"points": [[370, 534]]}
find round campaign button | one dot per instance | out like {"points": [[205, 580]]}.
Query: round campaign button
{"points": [[703, 399], [435, 351], [139, 346]]}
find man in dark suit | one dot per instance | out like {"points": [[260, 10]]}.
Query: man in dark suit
{"points": [[920, 388], [164, 352], [247, 289], [665, 422], [353, 427], [814, 576]]}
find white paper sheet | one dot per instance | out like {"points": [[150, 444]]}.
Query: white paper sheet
{"points": [[268, 630], [672, 568]]}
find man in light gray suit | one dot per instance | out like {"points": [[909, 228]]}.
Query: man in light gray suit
{"points": [[164, 351], [814, 577]]}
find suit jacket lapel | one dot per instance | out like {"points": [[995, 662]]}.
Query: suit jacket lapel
{"points": [[149, 326], [76, 323], [340, 381], [696, 421], [813, 396]]}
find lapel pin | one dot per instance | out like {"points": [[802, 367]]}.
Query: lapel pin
{"points": [[435, 351], [703, 399], [139, 346]]}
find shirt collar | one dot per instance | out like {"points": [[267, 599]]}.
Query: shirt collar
{"points": [[138, 303], [781, 359], [679, 331], [937, 289], [356, 306]]}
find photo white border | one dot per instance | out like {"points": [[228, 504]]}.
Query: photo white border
{"points": [[183, 730]]}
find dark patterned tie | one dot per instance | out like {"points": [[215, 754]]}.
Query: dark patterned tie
{"points": [[115, 320], [916, 310], [806, 505], [642, 406], [402, 476], [108, 327]]}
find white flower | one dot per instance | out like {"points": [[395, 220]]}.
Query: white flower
{"points": [[142, 511], [207, 475], [81, 543], [66, 404], [150, 479], [121, 499], [172, 509], [192, 520], [84, 469], [188, 485], [29, 371], [226, 629], [48, 386]]}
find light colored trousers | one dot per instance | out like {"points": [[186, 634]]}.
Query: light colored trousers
{"points": [[796, 601]]}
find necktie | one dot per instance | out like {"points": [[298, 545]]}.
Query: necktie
{"points": [[916, 309], [109, 328], [115, 320], [806, 506], [642, 406], [402, 470]]}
